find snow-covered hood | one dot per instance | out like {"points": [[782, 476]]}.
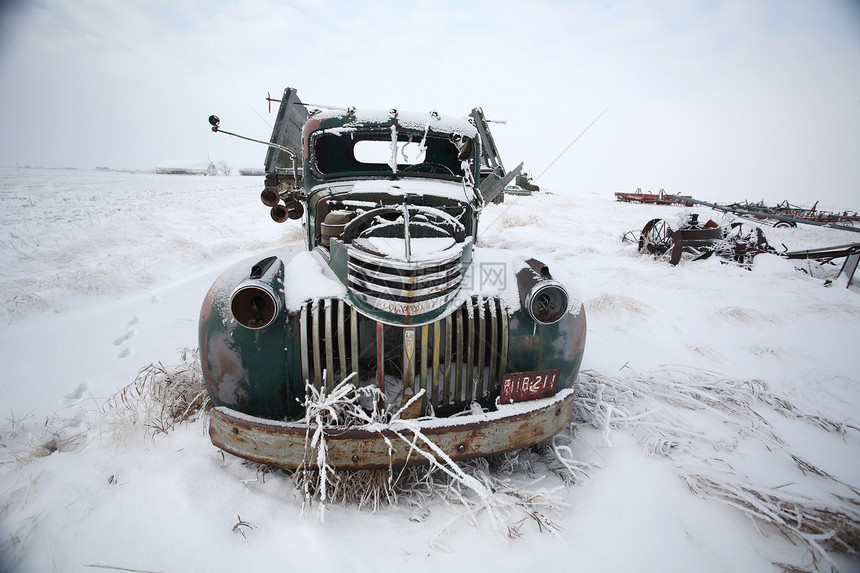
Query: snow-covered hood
{"points": [[372, 189]]}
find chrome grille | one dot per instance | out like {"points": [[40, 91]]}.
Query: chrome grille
{"points": [[401, 287], [456, 360]]}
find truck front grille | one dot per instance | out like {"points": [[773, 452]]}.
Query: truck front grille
{"points": [[403, 288], [457, 359]]}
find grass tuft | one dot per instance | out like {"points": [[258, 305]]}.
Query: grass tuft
{"points": [[159, 398], [653, 407]]}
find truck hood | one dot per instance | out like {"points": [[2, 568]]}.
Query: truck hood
{"points": [[373, 189]]}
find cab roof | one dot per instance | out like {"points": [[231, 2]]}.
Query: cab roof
{"points": [[412, 121]]}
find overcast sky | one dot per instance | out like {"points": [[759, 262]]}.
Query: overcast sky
{"points": [[738, 100]]}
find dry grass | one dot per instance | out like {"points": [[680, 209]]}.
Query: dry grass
{"points": [[482, 486], [478, 487], [819, 526], [159, 398], [507, 490], [651, 408]]}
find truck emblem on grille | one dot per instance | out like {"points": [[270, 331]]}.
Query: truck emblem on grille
{"points": [[409, 342]]}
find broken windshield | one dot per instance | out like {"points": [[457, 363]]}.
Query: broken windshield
{"points": [[349, 153]]}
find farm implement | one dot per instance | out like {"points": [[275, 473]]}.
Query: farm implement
{"points": [[786, 209], [661, 198], [783, 215], [695, 240], [736, 242]]}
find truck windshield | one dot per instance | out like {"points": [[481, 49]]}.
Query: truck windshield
{"points": [[354, 153]]}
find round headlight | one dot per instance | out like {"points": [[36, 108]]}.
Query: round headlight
{"points": [[254, 305], [547, 302]]}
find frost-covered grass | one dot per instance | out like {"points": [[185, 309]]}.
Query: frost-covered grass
{"points": [[654, 408], [716, 427], [475, 485]]}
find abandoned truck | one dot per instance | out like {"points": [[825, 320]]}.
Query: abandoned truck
{"points": [[391, 294]]}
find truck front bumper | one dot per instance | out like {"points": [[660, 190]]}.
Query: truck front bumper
{"points": [[287, 444]]}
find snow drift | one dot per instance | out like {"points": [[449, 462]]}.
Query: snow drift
{"points": [[717, 414]]}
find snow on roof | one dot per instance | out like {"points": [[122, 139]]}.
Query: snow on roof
{"points": [[407, 120]]}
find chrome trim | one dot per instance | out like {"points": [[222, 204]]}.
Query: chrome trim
{"points": [[315, 332], [479, 365], [406, 308], [405, 279], [424, 330], [446, 374], [341, 338], [409, 358], [461, 359], [503, 359], [462, 355], [355, 252], [394, 291], [375, 280], [491, 305], [329, 348], [470, 350], [437, 334], [303, 342], [353, 334], [380, 355]]}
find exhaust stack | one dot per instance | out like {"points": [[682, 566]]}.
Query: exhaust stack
{"points": [[291, 210]]}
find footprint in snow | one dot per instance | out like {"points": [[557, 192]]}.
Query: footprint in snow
{"points": [[124, 338], [123, 341], [77, 393]]}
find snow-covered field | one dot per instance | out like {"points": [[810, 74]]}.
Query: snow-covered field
{"points": [[719, 407]]}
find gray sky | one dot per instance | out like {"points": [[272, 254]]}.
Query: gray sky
{"points": [[752, 99]]}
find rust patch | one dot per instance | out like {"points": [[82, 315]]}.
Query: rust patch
{"points": [[284, 445]]}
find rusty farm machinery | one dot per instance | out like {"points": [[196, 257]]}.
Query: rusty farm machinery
{"points": [[661, 198], [781, 215], [738, 242], [695, 240]]}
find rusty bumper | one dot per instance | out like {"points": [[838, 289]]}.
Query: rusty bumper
{"points": [[285, 444]]}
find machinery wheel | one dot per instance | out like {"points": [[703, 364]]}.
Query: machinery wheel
{"points": [[655, 238]]}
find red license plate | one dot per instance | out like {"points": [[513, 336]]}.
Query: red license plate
{"points": [[522, 386]]}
